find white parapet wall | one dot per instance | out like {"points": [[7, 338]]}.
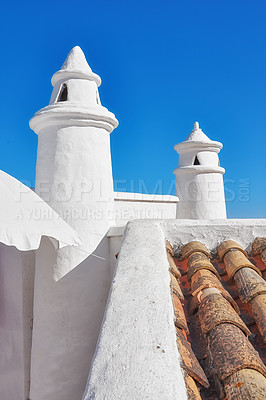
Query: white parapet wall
{"points": [[137, 355], [16, 305], [129, 206]]}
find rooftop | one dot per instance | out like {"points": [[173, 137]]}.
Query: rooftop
{"points": [[187, 303], [219, 304]]}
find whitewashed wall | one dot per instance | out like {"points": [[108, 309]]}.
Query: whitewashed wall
{"points": [[130, 206], [67, 319], [16, 294]]}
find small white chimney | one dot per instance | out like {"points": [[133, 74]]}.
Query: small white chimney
{"points": [[199, 178]]}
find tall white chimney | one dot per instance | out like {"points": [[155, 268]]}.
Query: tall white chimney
{"points": [[74, 171], [74, 175]]}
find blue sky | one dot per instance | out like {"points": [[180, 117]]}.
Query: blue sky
{"points": [[163, 64]]}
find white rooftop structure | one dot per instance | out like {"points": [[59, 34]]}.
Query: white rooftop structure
{"points": [[26, 218], [25, 221], [76, 65], [198, 136], [81, 324], [199, 181]]}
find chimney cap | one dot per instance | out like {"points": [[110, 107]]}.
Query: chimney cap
{"points": [[198, 139], [75, 66]]}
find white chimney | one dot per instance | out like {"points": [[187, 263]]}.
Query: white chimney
{"points": [[74, 171], [74, 175], [199, 178]]}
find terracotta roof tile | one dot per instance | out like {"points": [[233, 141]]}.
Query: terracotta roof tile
{"points": [[216, 332], [230, 286], [170, 255], [196, 300], [176, 287], [169, 249], [246, 384], [260, 264], [263, 256], [193, 305], [173, 267], [203, 279], [219, 266], [189, 360], [229, 245], [259, 248], [259, 245], [193, 247], [198, 261], [249, 284], [215, 310], [234, 260], [190, 364], [258, 308], [231, 351], [192, 390], [180, 320]]}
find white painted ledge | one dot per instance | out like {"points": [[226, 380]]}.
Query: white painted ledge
{"points": [[136, 355], [115, 231], [132, 206], [142, 197]]}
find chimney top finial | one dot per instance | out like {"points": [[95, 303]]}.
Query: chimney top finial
{"points": [[196, 125]]}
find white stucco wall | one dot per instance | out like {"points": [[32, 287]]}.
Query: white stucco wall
{"points": [[115, 240], [67, 319], [136, 356], [201, 194], [16, 306], [130, 206], [74, 176]]}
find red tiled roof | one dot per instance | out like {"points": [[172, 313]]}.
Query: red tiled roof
{"points": [[224, 316]]}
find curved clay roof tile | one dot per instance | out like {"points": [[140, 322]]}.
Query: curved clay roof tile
{"points": [[259, 245], [193, 247], [234, 260], [228, 245], [198, 261]]}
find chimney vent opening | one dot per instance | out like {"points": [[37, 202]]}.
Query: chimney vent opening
{"points": [[196, 161], [63, 93]]}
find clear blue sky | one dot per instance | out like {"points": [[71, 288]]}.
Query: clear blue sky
{"points": [[163, 64]]}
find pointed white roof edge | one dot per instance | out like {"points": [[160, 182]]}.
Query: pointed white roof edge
{"points": [[25, 218], [75, 65]]}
